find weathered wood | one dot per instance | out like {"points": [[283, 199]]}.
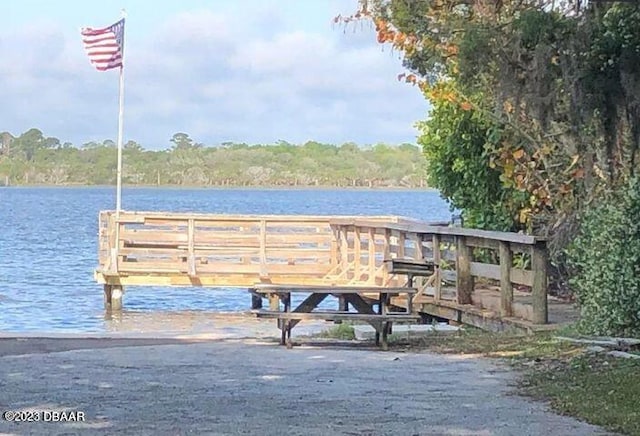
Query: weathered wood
{"points": [[357, 253], [344, 248], [418, 252], [463, 269], [506, 289], [332, 316], [489, 271], [426, 228], [436, 262], [539, 261], [401, 245], [334, 247], [274, 302], [113, 297], [386, 254], [336, 289]]}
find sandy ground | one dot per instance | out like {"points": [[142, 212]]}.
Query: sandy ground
{"points": [[242, 386]]}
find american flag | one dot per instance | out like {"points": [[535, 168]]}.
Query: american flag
{"points": [[105, 47]]}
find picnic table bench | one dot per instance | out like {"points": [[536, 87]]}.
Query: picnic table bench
{"points": [[280, 307]]}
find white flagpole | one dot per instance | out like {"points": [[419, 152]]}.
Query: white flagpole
{"points": [[120, 132]]}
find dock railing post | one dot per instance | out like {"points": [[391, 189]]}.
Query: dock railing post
{"points": [[191, 259], [263, 248], [506, 289], [463, 271], [372, 255], [357, 253], [114, 241], [539, 258], [437, 285]]}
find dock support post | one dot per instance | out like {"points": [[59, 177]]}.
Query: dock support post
{"points": [[256, 302], [343, 306], [113, 297]]}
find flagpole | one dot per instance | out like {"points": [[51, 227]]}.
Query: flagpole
{"points": [[119, 165], [120, 133]]}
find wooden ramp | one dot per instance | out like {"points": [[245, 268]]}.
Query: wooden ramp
{"points": [[490, 279]]}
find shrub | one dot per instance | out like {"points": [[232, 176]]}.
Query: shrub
{"points": [[605, 257]]}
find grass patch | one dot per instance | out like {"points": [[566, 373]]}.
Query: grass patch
{"points": [[603, 391], [342, 331], [599, 389], [473, 341]]}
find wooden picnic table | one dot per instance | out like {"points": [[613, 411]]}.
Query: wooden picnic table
{"points": [[280, 306]]}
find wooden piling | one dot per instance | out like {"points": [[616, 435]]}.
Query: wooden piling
{"points": [[113, 297]]}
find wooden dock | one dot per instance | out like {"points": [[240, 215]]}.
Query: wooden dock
{"points": [[475, 279]]}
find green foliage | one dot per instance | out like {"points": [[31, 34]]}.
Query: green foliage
{"points": [[32, 158], [342, 331], [457, 145], [606, 258]]}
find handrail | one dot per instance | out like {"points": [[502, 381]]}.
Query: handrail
{"points": [[416, 227]]}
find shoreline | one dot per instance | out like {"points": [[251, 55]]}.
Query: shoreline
{"points": [[232, 187]]}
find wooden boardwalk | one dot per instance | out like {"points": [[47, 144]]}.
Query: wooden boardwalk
{"points": [[475, 278]]}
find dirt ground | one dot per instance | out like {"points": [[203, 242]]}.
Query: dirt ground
{"points": [[242, 386]]}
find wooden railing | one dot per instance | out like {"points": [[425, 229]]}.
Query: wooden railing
{"points": [[201, 245], [240, 250], [461, 256]]}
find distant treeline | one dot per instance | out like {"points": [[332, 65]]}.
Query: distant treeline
{"points": [[33, 158]]}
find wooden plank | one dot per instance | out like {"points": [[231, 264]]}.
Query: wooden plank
{"points": [[437, 285], [331, 316], [539, 289], [309, 303], [237, 280], [486, 270], [426, 228], [490, 271], [335, 289], [225, 268], [473, 241], [506, 289], [522, 276], [463, 270]]}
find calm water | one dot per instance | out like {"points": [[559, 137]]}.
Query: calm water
{"points": [[48, 251]]}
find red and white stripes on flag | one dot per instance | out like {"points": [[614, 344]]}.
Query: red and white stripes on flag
{"points": [[105, 47]]}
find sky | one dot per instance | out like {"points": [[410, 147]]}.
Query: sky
{"points": [[254, 71]]}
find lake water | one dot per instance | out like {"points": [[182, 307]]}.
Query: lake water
{"points": [[48, 249]]}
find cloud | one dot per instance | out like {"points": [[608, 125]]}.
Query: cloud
{"points": [[255, 77]]}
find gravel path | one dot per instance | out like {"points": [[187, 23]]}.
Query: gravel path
{"points": [[247, 387]]}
